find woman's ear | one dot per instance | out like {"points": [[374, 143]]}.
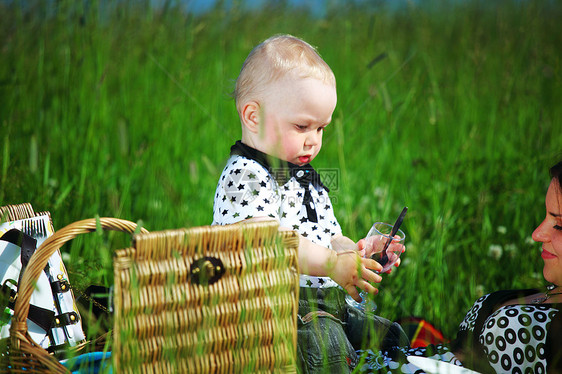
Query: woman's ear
{"points": [[251, 116]]}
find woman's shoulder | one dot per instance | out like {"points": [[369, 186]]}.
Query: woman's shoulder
{"points": [[485, 305], [503, 296]]}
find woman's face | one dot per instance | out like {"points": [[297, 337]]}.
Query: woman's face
{"points": [[549, 233]]}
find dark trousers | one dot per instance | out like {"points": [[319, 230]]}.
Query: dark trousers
{"points": [[330, 332]]}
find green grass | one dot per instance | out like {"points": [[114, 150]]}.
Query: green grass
{"points": [[126, 112]]}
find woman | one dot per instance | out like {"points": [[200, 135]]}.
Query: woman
{"points": [[514, 331]]}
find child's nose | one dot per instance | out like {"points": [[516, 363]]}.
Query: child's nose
{"points": [[313, 138]]}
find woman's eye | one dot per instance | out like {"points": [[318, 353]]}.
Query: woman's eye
{"points": [[301, 127]]}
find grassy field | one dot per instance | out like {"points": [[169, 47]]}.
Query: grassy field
{"points": [[124, 111]]}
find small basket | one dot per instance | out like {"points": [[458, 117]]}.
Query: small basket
{"points": [[210, 299], [19, 353]]}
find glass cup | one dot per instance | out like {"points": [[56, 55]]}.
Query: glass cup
{"points": [[376, 241]]}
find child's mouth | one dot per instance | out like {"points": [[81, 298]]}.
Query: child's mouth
{"points": [[304, 159]]}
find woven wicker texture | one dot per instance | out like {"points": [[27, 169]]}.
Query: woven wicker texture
{"points": [[171, 317], [16, 212], [19, 353]]}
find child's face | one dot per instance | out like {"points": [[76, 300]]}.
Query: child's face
{"points": [[295, 113]]}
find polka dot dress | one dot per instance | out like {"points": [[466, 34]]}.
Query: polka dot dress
{"points": [[246, 189], [513, 338]]}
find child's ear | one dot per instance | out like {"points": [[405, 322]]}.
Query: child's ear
{"points": [[251, 116]]}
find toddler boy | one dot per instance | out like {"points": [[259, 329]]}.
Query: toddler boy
{"points": [[285, 96]]}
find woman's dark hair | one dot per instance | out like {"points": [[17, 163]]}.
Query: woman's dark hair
{"points": [[556, 172]]}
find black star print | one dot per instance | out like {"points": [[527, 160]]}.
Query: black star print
{"points": [[230, 183], [271, 215], [286, 188], [318, 236], [244, 203], [224, 198], [292, 204], [327, 207], [266, 201], [327, 231], [237, 171], [321, 281], [255, 192], [320, 193], [252, 176], [299, 194], [260, 208], [248, 217], [314, 228], [303, 220], [233, 199], [322, 217], [240, 187], [295, 227], [224, 212], [308, 282], [263, 184], [305, 234], [235, 215], [284, 215]]}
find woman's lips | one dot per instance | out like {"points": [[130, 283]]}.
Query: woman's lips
{"points": [[546, 255]]}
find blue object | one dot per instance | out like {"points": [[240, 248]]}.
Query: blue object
{"points": [[89, 363]]}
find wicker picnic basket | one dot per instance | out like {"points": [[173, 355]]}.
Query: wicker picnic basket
{"points": [[209, 299], [19, 353]]}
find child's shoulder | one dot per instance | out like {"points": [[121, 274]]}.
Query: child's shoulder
{"points": [[241, 168], [238, 162]]}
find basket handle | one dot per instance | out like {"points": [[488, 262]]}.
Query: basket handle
{"points": [[41, 256]]}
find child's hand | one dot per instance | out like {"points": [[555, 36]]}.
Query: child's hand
{"points": [[350, 270], [374, 244]]}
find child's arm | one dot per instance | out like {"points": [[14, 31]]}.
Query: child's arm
{"points": [[342, 243], [345, 267]]}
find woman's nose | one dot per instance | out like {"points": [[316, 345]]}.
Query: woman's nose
{"points": [[541, 233]]}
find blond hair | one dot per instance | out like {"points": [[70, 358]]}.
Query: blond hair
{"points": [[274, 59]]}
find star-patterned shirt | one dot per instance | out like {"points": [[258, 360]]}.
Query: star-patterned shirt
{"points": [[248, 189]]}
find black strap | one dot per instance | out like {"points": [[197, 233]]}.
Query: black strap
{"points": [[60, 286], [65, 319], [41, 316], [25, 242]]}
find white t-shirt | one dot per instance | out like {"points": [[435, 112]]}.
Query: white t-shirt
{"points": [[250, 188]]}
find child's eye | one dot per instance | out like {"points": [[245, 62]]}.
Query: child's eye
{"points": [[321, 128], [301, 127], [557, 227]]}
